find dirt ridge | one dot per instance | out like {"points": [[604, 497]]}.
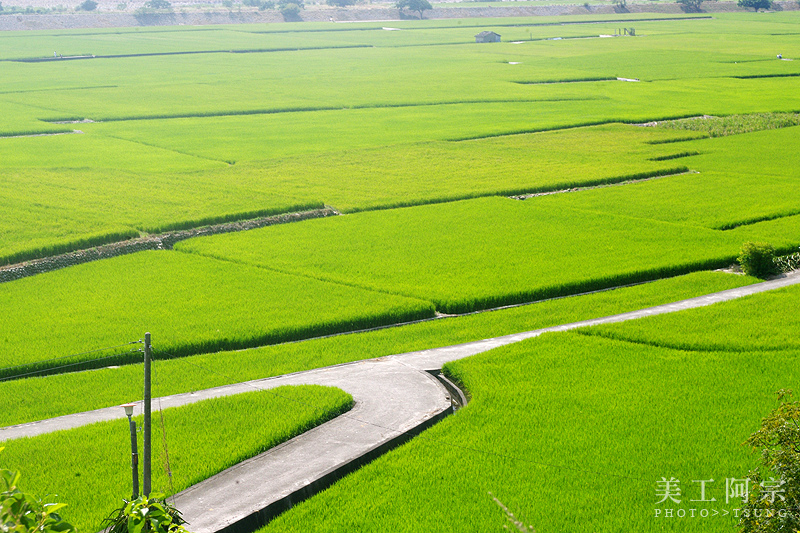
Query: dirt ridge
{"points": [[164, 241]]}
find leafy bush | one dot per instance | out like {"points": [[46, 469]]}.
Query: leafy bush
{"points": [[772, 506], [755, 4], [290, 10], [87, 5], [24, 513], [757, 259], [145, 514], [690, 5]]}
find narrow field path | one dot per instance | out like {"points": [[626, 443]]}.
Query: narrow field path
{"points": [[395, 398]]}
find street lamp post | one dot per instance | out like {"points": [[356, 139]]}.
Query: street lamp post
{"points": [[134, 449]]}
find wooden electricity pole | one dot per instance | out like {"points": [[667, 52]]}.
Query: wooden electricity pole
{"points": [[147, 395]]}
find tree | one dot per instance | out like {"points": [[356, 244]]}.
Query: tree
{"points": [[755, 4], [691, 5], [414, 5], [773, 505], [290, 11], [340, 3], [87, 5]]}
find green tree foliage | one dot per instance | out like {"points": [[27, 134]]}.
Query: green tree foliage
{"points": [[158, 4], [757, 259], [24, 513], [755, 4], [145, 514], [290, 10], [773, 501], [414, 5], [690, 5], [87, 5], [340, 3]]}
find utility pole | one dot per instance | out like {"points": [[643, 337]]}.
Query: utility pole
{"points": [[147, 395]]}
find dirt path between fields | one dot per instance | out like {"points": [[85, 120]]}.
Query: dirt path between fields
{"points": [[395, 398]]}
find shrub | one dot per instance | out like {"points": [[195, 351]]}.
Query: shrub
{"points": [[755, 4], [87, 5], [145, 514], [690, 5], [290, 11], [757, 259]]}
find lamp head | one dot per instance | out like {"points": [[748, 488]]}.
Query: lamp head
{"points": [[129, 409]]}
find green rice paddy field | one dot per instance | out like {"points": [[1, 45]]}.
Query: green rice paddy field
{"points": [[419, 137]]}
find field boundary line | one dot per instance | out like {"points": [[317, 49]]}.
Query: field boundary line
{"points": [[601, 185], [163, 241], [344, 107]]}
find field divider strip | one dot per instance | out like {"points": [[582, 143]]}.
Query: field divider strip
{"points": [[153, 242], [344, 107], [166, 149], [756, 220], [608, 183], [181, 53], [42, 134]]}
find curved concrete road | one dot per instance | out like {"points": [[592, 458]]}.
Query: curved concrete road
{"points": [[394, 398]]}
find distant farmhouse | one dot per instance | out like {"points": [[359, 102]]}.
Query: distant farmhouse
{"points": [[487, 37]]}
